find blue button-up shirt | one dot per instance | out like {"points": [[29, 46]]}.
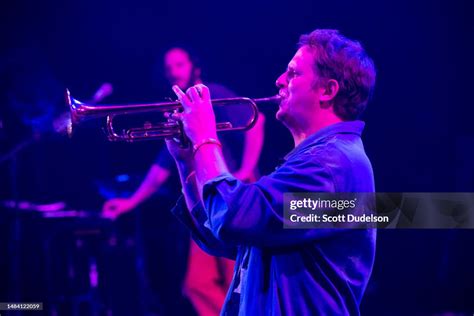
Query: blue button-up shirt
{"points": [[290, 271]]}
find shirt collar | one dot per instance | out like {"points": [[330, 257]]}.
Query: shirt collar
{"points": [[349, 127]]}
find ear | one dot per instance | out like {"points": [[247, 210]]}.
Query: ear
{"points": [[329, 90]]}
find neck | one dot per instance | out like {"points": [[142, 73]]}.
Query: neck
{"points": [[318, 123]]}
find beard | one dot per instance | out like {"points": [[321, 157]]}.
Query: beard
{"points": [[193, 80], [283, 114], [184, 83], [282, 109]]}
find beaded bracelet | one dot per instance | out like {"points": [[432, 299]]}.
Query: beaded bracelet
{"points": [[204, 142]]}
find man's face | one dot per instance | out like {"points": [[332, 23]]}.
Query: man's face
{"points": [[300, 95], [179, 68]]}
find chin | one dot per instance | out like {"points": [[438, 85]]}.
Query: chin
{"points": [[280, 114], [282, 110]]}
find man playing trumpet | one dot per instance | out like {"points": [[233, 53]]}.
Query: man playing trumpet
{"points": [[279, 271], [207, 278]]}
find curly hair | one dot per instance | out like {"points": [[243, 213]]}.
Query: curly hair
{"points": [[344, 60]]}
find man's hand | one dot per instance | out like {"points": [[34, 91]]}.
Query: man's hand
{"points": [[182, 155], [115, 207], [199, 124], [198, 117]]}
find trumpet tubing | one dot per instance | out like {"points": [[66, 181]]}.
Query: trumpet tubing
{"points": [[151, 131]]}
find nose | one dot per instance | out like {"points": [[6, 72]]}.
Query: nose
{"points": [[281, 81]]}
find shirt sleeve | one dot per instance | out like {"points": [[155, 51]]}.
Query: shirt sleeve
{"points": [[196, 221], [252, 214]]}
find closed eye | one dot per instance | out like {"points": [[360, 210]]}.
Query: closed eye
{"points": [[291, 73]]}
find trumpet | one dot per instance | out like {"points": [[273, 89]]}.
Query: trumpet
{"points": [[147, 130]]}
